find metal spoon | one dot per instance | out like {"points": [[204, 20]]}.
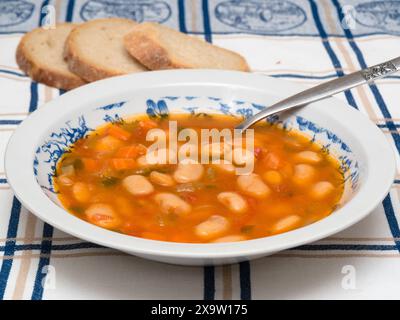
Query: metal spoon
{"points": [[325, 90]]}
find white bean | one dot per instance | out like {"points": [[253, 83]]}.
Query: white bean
{"points": [[233, 201], [65, 180], [68, 170], [137, 185], [188, 172], [252, 185], [102, 215], [224, 166], [171, 203], [303, 174], [321, 189], [286, 224], [161, 179], [308, 157], [232, 238], [81, 192], [213, 227]]}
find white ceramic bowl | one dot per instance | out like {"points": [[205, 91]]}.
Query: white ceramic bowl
{"points": [[40, 140]]}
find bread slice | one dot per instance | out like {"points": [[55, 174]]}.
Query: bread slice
{"points": [[40, 55], [95, 50], [159, 47]]}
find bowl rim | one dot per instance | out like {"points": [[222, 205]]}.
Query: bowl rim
{"points": [[20, 176]]}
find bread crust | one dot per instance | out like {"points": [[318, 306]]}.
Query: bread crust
{"points": [[43, 74], [143, 46], [85, 68], [149, 53]]}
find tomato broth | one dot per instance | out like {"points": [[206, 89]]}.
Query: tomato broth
{"points": [[106, 180]]}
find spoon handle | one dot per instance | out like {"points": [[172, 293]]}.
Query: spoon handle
{"points": [[325, 90]]}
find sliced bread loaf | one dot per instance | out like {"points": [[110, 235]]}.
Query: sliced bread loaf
{"points": [[159, 47], [40, 55], [95, 50]]}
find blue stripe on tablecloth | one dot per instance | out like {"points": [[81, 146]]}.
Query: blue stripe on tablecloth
{"points": [[9, 121], [9, 248], [18, 74], [13, 32], [181, 16], [44, 260], [329, 50], [42, 13], [384, 125], [245, 280], [346, 247], [34, 97], [74, 246], [391, 217], [206, 21], [70, 10], [56, 247], [209, 283]]}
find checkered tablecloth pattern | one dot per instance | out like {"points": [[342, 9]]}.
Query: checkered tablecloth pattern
{"points": [[307, 41]]}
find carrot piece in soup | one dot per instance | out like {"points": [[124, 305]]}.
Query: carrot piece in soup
{"points": [[91, 165], [131, 151], [119, 133], [123, 164]]}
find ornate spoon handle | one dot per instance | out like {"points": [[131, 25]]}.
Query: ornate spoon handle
{"points": [[325, 90]]}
